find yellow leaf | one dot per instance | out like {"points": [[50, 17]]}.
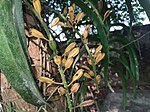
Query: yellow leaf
{"points": [[37, 6], [37, 34]]}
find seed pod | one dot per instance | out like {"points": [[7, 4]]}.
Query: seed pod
{"points": [[74, 6], [99, 57], [98, 78], [77, 75], [57, 60], [63, 61], [45, 80], [89, 61], [85, 67], [98, 49], [86, 103], [71, 13], [79, 16], [87, 75], [73, 52], [55, 22], [75, 87], [85, 33], [91, 73], [70, 47], [37, 6], [61, 23], [107, 13], [61, 90], [37, 34], [87, 27], [68, 63], [65, 10]]}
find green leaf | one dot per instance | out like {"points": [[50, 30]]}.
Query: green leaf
{"points": [[124, 84], [132, 59], [14, 59]]}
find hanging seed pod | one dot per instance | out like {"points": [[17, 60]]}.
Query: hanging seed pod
{"points": [[74, 6], [71, 13], [98, 78], [86, 103], [70, 47], [91, 73], [57, 60], [68, 63], [87, 27], [73, 52], [61, 23], [65, 10], [85, 67], [79, 16], [37, 6], [75, 88], [98, 49], [99, 57], [61, 91], [85, 34], [86, 31], [63, 61], [89, 61], [37, 34], [77, 75], [45, 80], [107, 13], [87, 75], [55, 22]]}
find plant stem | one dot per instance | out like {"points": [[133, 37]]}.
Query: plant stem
{"points": [[91, 57], [66, 87], [42, 23]]}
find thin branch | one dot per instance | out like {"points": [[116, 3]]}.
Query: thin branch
{"points": [[135, 40]]}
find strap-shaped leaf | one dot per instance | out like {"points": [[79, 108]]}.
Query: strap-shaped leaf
{"points": [[14, 60]]}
